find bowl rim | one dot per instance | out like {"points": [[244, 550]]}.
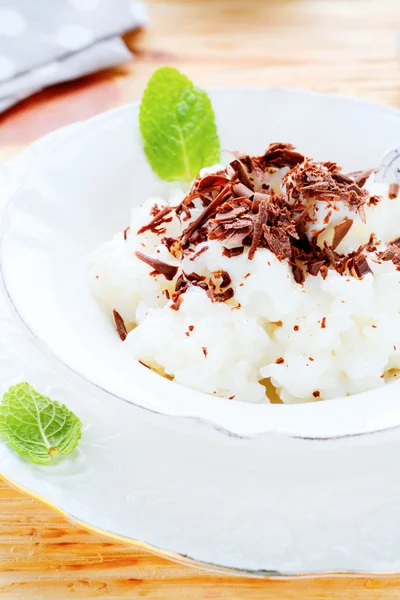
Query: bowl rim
{"points": [[49, 140]]}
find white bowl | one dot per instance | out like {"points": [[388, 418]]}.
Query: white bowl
{"points": [[239, 485], [80, 192]]}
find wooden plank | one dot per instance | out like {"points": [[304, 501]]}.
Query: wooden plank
{"points": [[339, 46]]}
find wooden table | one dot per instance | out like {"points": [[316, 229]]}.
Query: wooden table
{"points": [[340, 46]]}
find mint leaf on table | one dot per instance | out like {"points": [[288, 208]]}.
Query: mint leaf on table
{"points": [[178, 128], [36, 426]]}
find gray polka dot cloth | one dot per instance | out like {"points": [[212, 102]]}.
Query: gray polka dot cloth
{"points": [[48, 41]]}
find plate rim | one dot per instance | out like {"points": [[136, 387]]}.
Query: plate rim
{"points": [[188, 561]]}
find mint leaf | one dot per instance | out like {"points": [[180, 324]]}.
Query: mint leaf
{"points": [[36, 426], [178, 126]]}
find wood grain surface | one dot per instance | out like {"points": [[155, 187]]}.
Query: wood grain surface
{"points": [[339, 46]]}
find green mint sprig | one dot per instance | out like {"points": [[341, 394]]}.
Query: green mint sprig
{"points": [[36, 426], [177, 125]]}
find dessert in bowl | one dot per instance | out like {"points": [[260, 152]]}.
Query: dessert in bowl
{"points": [[232, 482], [81, 193], [275, 275]]}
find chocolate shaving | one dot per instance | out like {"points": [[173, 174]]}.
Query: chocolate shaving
{"points": [[373, 242], [211, 181], [196, 254], [241, 175], [240, 236], [157, 220], [162, 268], [232, 251], [360, 265], [259, 223], [181, 283], [342, 178], [340, 231], [280, 155], [193, 277], [126, 233], [120, 325], [223, 296], [278, 241], [224, 276], [331, 166], [183, 208], [393, 190], [239, 189], [230, 215], [298, 274], [233, 223], [258, 197], [315, 267], [391, 253], [207, 212], [360, 177]]}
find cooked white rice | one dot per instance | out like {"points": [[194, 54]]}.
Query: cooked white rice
{"points": [[325, 339]]}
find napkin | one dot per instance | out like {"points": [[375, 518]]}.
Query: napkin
{"points": [[43, 42]]}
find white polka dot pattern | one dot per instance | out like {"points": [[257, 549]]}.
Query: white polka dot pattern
{"points": [[74, 37], [12, 22], [47, 41]]}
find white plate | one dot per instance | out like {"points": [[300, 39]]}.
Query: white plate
{"points": [[232, 484]]}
